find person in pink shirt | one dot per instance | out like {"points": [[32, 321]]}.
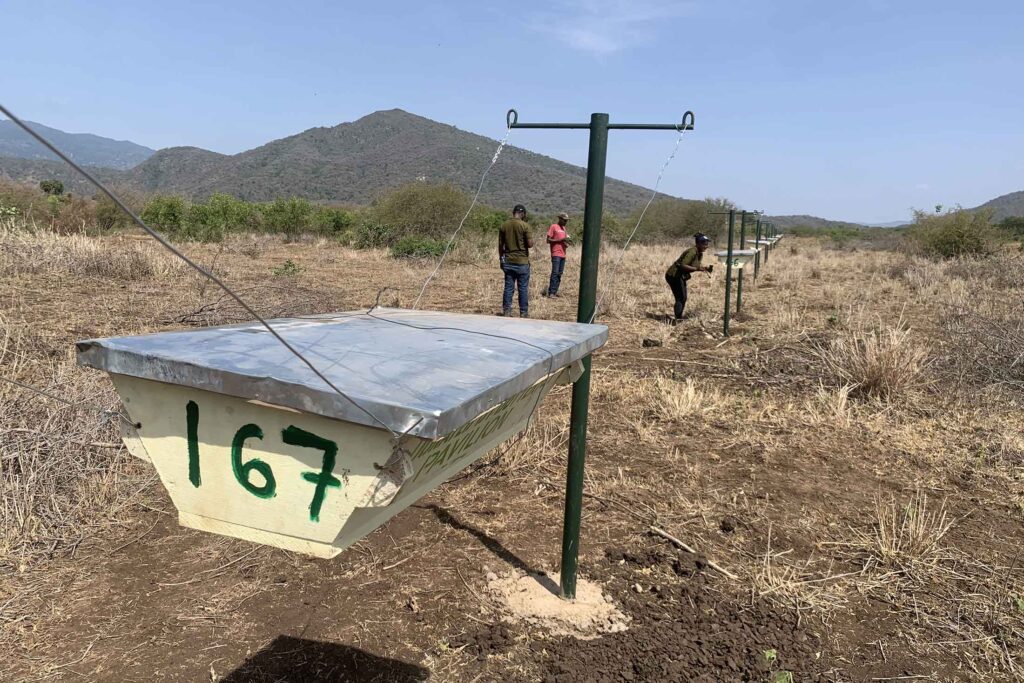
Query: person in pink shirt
{"points": [[559, 239]]}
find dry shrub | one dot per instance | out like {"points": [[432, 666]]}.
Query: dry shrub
{"points": [[62, 469], [1000, 272], [985, 342], [880, 364], [905, 538], [216, 307]]}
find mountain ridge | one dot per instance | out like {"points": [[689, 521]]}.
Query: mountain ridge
{"points": [[358, 161], [1004, 206], [84, 148]]}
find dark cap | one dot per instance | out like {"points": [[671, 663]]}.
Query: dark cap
{"points": [[701, 238], [518, 208]]}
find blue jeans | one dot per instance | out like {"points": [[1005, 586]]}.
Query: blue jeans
{"points": [[557, 266], [516, 275]]}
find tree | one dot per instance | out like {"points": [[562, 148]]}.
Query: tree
{"points": [[423, 209], [958, 232], [1013, 225], [165, 212], [54, 188], [673, 219]]}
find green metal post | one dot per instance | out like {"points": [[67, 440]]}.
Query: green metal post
{"points": [[581, 389], [728, 273], [739, 276], [592, 211], [767, 247], [757, 246]]}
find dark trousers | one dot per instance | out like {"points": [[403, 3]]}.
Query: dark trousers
{"points": [[516, 276], [557, 266], [678, 286]]}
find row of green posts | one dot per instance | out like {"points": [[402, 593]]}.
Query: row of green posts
{"points": [[766, 235]]}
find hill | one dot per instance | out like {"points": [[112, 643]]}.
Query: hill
{"points": [[809, 221], [35, 170], [358, 161], [85, 148], [1007, 205]]}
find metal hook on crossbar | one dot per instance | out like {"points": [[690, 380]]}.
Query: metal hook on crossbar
{"points": [[512, 118], [684, 125]]}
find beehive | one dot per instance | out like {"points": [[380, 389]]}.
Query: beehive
{"points": [[250, 443]]}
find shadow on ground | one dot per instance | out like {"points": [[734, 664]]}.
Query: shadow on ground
{"points": [[492, 544], [296, 659]]}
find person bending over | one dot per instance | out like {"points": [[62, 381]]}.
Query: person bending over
{"points": [[688, 263]]}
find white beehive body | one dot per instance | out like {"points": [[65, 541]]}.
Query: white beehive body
{"points": [[250, 444]]}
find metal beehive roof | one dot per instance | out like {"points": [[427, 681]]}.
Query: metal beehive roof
{"points": [[425, 370]]}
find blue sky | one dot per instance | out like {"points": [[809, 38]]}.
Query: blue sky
{"points": [[855, 111]]}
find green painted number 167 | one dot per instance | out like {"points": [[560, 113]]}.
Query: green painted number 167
{"points": [[293, 436]]}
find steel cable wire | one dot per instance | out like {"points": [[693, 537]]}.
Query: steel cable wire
{"points": [[451, 240], [625, 245], [213, 278]]}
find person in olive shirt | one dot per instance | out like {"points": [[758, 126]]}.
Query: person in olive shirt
{"points": [[514, 244], [681, 270]]}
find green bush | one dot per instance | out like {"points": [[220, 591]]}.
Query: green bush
{"points": [[485, 220], [52, 187], [413, 246], [166, 213], [1013, 226], [288, 216], [423, 209], [220, 214], [331, 221], [287, 269], [957, 232], [370, 234]]}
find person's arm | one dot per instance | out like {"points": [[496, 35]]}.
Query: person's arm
{"points": [[501, 245], [551, 239]]}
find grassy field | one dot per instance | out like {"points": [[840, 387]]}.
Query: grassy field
{"points": [[853, 454]]}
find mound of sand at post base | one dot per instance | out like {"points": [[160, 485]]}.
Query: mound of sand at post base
{"points": [[535, 599]]}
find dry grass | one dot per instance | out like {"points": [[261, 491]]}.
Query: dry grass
{"points": [[676, 401], [63, 469], [881, 364], [40, 251], [907, 538], [683, 434]]}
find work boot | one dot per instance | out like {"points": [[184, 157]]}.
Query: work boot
{"points": [[506, 313], [524, 314]]}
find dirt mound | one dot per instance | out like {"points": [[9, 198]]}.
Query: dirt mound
{"points": [[535, 599]]}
